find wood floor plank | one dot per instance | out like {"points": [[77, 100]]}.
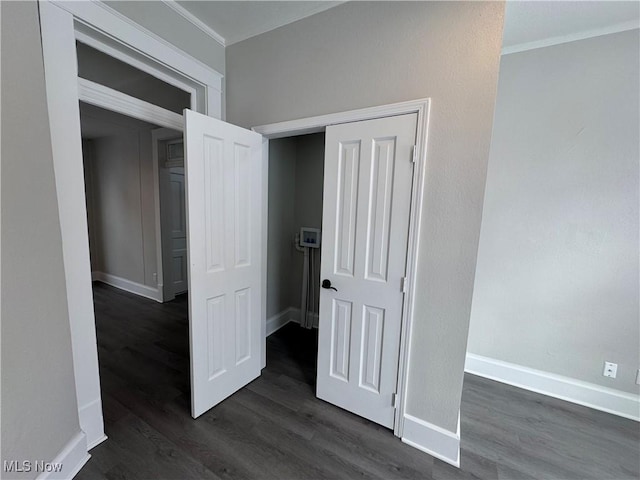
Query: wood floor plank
{"points": [[275, 428]]}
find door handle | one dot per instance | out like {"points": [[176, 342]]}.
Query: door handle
{"points": [[327, 284]]}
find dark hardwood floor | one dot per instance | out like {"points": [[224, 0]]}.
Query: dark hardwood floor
{"points": [[276, 428]]}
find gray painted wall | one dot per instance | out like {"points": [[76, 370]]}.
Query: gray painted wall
{"points": [[156, 17], [39, 409], [342, 59], [557, 277], [280, 251], [120, 202]]}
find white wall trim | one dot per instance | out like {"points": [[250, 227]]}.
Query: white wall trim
{"points": [[590, 395], [72, 458], [99, 14], [195, 21], [264, 231], [319, 123], [548, 42], [279, 320], [104, 97], [296, 314], [92, 423], [128, 285], [431, 439], [60, 66], [107, 30]]}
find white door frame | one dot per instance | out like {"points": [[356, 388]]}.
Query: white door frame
{"points": [[104, 97], [318, 124], [94, 23], [162, 237]]}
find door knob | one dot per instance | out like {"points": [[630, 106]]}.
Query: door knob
{"points": [[327, 284]]}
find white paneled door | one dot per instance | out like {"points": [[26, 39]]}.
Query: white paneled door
{"points": [[367, 197], [178, 226], [223, 168]]}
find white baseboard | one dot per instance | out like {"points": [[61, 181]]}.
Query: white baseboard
{"points": [[279, 320], [128, 285], [92, 423], [71, 459], [431, 439], [575, 391], [295, 316]]}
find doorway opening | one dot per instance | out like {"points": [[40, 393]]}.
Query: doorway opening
{"points": [[372, 192], [168, 159], [296, 177], [143, 343]]}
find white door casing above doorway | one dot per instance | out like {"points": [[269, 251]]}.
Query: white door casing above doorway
{"points": [[367, 199]]}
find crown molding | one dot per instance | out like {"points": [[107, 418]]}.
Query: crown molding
{"points": [[548, 42], [195, 21]]}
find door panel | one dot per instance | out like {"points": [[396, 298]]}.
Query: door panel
{"points": [[223, 166], [367, 197], [178, 227], [347, 181]]}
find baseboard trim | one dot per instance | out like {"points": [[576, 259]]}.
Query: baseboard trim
{"points": [[279, 320], [608, 400], [71, 458], [128, 285], [431, 439], [92, 423], [295, 316]]}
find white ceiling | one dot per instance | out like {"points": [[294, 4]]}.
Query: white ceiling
{"points": [[535, 21], [239, 20], [525, 21]]}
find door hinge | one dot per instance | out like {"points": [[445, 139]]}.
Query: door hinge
{"points": [[403, 284], [414, 156], [394, 399]]}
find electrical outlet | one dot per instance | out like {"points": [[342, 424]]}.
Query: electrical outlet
{"points": [[610, 369]]}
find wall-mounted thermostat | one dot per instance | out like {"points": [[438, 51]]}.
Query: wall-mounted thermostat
{"points": [[310, 237]]}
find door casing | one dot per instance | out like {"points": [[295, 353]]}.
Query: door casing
{"points": [[318, 124], [94, 23]]}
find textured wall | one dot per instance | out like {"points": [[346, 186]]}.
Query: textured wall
{"points": [[363, 54], [557, 276]]}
